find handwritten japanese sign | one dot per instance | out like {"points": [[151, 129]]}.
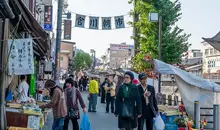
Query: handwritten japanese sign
{"points": [[119, 22], [80, 20], [106, 23], [67, 29], [93, 22], [21, 57]]}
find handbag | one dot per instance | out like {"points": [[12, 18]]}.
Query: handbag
{"points": [[73, 113], [127, 110]]}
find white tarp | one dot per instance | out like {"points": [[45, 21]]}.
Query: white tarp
{"points": [[190, 93], [189, 78], [191, 88]]}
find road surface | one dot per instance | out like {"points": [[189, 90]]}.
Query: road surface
{"points": [[99, 120]]}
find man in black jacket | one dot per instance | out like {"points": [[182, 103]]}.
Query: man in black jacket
{"points": [[103, 90], [149, 103]]}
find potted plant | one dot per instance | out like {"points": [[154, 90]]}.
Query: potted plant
{"points": [[180, 122]]}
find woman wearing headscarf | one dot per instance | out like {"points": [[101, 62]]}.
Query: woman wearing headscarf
{"points": [[57, 103], [73, 95], [128, 104]]}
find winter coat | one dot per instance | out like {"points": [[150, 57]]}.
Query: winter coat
{"points": [[134, 100]]}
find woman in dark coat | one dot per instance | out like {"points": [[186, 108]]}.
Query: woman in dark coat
{"points": [[128, 94]]}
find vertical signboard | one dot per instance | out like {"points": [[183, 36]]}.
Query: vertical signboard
{"points": [[67, 29], [21, 61], [48, 13]]}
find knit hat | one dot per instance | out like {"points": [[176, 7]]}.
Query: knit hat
{"points": [[130, 74], [50, 84]]}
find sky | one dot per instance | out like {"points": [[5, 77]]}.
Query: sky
{"points": [[200, 18]]}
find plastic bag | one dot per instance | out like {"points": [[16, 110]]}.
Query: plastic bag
{"points": [[158, 123], [85, 124]]}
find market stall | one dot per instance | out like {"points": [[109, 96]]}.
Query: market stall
{"points": [[191, 88], [27, 115]]}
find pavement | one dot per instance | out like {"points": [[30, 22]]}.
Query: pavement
{"points": [[99, 120]]}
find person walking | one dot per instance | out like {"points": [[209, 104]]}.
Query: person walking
{"points": [[128, 104], [81, 84], [85, 83], [93, 94], [57, 103], [149, 103], [110, 95], [103, 90], [72, 96]]}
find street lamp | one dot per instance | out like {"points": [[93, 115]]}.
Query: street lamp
{"points": [[154, 17], [94, 59]]}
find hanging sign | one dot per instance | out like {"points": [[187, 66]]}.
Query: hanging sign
{"points": [[106, 23], [67, 29], [80, 20], [119, 22], [21, 60], [48, 21], [93, 22]]}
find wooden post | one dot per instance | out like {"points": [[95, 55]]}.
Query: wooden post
{"points": [[197, 114], [164, 99], [170, 100], [216, 117], [3, 77], [176, 101]]}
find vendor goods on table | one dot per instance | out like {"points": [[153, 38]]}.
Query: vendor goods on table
{"points": [[41, 103], [32, 109], [19, 128], [163, 108], [14, 105]]}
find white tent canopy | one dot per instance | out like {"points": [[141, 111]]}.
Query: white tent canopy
{"points": [[189, 78], [191, 87]]}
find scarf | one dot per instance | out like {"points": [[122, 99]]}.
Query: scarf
{"points": [[126, 89], [73, 91]]}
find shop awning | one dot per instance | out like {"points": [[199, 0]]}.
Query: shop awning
{"points": [[214, 41], [30, 24], [5, 10]]}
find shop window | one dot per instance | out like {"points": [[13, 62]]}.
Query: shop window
{"points": [[206, 51], [215, 51], [211, 51]]}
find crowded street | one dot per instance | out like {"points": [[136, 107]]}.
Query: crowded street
{"points": [[109, 65]]}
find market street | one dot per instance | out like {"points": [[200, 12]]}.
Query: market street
{"points": [[99, 120]]}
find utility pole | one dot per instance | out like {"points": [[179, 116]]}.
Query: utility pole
{"points": [[94, 63], [159, 51], [58, 37], [135, 30], [3, 121]]}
